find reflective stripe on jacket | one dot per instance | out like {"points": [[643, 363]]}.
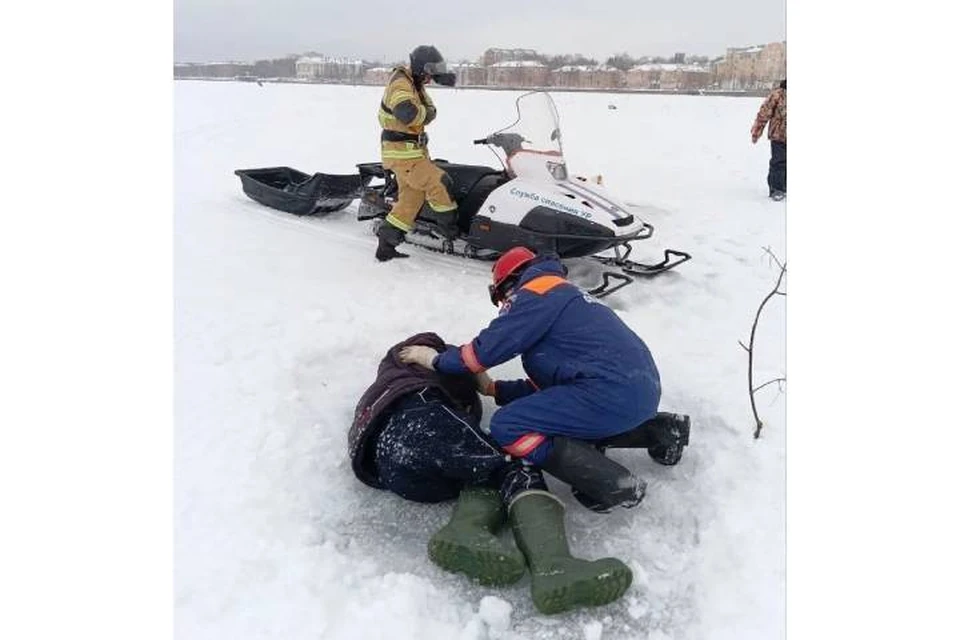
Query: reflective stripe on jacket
{"points": [[401, 92]]}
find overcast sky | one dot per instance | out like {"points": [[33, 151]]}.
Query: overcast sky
{"points": [[247, 30]]}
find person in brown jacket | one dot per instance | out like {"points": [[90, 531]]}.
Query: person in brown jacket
{"points": [[424, 189], [417, 434], [774, 112]]}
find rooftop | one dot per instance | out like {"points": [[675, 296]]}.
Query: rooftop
{"points": [[518, 63], [670, 66], [326, 60]]}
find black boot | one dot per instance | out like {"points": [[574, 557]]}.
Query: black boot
{"points": [[389, 237], [444, 221], [673, 433], [606, 483], [663, 436]]}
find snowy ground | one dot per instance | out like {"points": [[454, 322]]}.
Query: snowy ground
{"points": [[280, 322]]}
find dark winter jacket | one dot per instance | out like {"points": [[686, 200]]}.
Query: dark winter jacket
{"points": [[394, 380], [565, 336]]}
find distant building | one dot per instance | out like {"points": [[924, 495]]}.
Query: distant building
{"points": [[211, 69], [756, 67], [685, 77], [469, 74], [568, 76], [323, 68], [518, 73], [669, 76], [603, 77], [495, 56], [587, 77], [377, 75]]}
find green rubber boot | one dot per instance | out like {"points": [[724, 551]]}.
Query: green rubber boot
{"points": [[561, 582], [468, 543]]}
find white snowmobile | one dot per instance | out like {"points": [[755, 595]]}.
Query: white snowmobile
{"points": [[532, 201]]}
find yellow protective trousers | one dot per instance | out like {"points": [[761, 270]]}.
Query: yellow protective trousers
{"points": [[418, 180]]}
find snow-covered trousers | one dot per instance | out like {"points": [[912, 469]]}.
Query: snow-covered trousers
{"points": [[585, 411], [428, 451], [777, 174]]}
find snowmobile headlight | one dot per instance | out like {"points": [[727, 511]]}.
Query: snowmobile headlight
{"points": [[558, 170]]}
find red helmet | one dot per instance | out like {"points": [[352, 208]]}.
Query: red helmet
{"points": [[507, 265]]}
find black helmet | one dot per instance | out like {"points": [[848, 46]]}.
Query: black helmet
{"points": [[425, 60]]}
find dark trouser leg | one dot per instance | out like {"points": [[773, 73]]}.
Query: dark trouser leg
{"points": [[777, 175], [427, 451], [546, 428], [518, 477]]}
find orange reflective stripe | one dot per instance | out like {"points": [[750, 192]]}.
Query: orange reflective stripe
{"points": [[524, 444], [470, 358], [533, 384], [543, 284]]}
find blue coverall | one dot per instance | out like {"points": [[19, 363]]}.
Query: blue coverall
{"points": [[590, 375]]}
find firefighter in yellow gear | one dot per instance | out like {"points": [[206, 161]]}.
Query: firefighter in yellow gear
{"points": [[424, 189]]}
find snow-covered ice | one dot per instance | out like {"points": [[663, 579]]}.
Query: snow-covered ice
{"points": [[280, 323], [495, 613]]}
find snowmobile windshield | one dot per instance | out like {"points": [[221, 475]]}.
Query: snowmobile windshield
{"points": [[531, 147]]}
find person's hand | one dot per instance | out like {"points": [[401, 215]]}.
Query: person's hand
{"points": [[484, 383], [419, 354], [754, 135]]}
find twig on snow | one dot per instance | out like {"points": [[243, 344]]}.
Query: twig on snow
{"points": [[753, 332]]}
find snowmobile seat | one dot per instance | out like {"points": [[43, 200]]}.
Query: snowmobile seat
{"points": [[465, 176], [471, 184]]}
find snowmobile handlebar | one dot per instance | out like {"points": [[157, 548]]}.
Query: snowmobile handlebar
{"points": [[509, 142]]}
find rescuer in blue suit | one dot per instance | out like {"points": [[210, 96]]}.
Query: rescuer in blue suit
{"points": [[592, 381]]}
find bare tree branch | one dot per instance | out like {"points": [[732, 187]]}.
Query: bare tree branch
{"points": [[783, 267], [770, 382], [753, 334], [779, 393]]}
